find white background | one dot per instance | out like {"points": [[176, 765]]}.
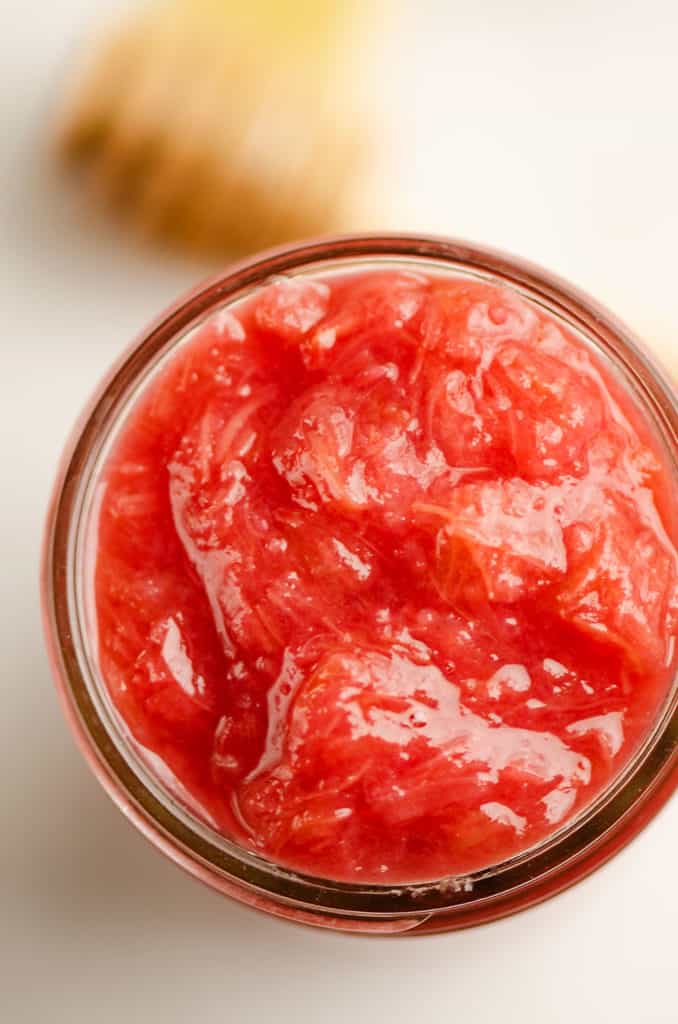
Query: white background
{"points": [[548, 129]]}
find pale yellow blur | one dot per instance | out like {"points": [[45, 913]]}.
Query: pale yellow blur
{"points": [[227, 126]]}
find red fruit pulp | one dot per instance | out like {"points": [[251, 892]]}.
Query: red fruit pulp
{"points": [[386, 574]]}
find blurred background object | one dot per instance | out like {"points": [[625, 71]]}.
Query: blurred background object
{"points": [[542, 128], [226, 126]]}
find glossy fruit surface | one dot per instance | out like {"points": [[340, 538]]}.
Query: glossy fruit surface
{"points": [[386, 574]]}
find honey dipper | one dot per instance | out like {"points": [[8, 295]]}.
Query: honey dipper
{"points": [[224, 126]]}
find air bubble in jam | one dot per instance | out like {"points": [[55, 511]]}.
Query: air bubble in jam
{"points": [[386, 575]]}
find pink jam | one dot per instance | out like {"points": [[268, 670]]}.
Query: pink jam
{"points": [[386, 575]]}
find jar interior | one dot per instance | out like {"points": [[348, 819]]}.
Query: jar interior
{"points": [[145, 777]]}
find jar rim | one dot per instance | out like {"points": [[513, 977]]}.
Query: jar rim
{"points": [[595, 834]]}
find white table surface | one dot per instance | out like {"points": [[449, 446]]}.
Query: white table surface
{"points": [[548, 132]]}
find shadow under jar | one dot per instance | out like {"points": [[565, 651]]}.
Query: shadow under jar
{"points": [[482, 541]]}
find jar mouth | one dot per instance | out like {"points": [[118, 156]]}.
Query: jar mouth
{"points": [[597, 831]]}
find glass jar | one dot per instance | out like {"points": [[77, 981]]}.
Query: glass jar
{"points": [[135, 782]]}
